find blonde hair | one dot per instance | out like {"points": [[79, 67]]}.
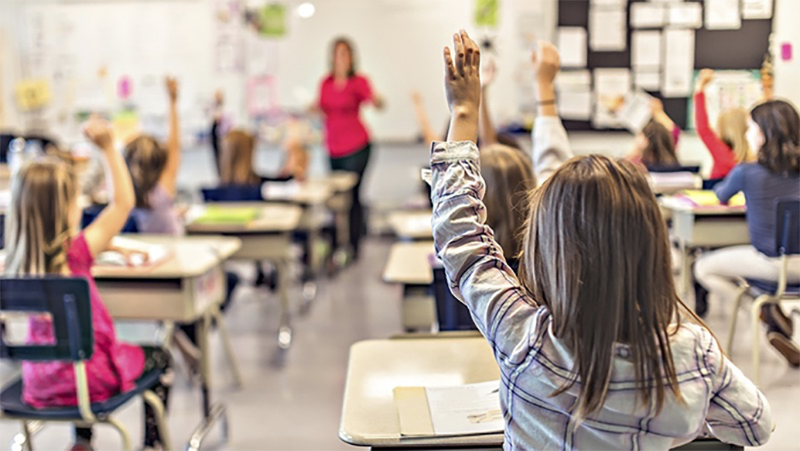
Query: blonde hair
{"points": [[732, 127], [38, 229], [236, 159], [509, 178], [146, 159]]}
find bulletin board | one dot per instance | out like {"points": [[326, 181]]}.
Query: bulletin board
{"points": [[740, 49]]}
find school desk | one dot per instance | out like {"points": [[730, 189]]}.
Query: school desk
{"points": [[267, 238], [411, 225], [188, 286], [376, 367], [408, 265], [703, 227]]}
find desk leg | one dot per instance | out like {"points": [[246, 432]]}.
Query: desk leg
{"points": [[312, 271], [222, 327], [342, 218], [285, 328], [211, 413]]}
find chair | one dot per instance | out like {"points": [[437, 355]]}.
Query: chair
{"points": [[451, 314], [91, 213], [711, 183], [665, 169], [769, 292], [68, 303], [233, 193]]}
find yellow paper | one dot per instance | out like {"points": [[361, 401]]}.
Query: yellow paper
{"points": [[32, 94], [707, 198]]}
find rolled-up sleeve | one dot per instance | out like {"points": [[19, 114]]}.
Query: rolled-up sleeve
{"points": [[476, 268], [550, 147]]}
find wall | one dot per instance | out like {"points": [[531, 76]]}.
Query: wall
{"points": [[786, 29]]}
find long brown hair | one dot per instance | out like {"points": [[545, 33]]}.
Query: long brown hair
{"points": [[341, 40], [780, 123], [146, 159], [236, 159], [38, 229], [509, 178], [732, 128], [597, 256], [660, 150]]}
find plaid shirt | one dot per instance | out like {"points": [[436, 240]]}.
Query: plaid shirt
{"points": [[717, 397]]}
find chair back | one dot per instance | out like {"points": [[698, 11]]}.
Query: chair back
{"points": [[91, 213], [662, 169], [233, 193], [68, 302], [788, 226]]}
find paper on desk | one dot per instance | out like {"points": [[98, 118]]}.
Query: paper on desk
{"points": [[708, 198], [609, 86], [572, 46], [678, 63], [607, 28], [647, 15], [280, 190], [723, 15], [647, 79], [756, 9], [142, 254], [646, 47], [466, 409], [685, 15]]}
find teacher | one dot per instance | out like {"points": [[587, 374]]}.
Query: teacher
{"points": [[341, 95]]}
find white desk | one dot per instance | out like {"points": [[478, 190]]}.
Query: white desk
{"points": [[376, 367], [266, 238], [411, 225], [187, 287], [408, 266], [711, 227]]}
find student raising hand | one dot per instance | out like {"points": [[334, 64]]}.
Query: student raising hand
{"points": [[462, 84]]}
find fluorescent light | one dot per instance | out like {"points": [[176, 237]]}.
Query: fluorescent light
{"points": [[306, 10]]}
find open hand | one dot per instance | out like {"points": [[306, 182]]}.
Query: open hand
{"points": [[704, 78], [98, 131], [656, 105], [546, 62], [462, 81], [488, 72], [172, 88]]}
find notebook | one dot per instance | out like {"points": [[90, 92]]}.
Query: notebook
{"points": [[138, 255], [227, 215], [708, 198], [471, 409]]}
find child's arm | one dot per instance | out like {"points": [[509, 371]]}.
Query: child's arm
{"points": [[738, 413], [720, 152], [661, 116], [731, 186], [428, 134], [550, 143], [486, 131], [112, 219], [476, 270], [169, 178]]}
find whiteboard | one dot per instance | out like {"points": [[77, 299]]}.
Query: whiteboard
{"points": [[91, 45]]}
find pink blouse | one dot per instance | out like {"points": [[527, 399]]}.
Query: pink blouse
{"points": [[113, 368], [345, 133]]}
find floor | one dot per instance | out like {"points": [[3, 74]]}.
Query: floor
{"points": [[292, 400]]}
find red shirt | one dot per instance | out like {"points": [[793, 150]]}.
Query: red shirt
{"points": [[344, 132], [722, 154]]}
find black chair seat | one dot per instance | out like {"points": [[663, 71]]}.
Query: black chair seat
{"points": [[12, 404], [760, 287]]}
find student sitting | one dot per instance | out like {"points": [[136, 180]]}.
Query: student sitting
{"points": [[41, 221], [729, 147], [655, 145], [774, 131], [595, 349]]}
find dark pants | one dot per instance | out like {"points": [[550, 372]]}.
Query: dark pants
{"points": [[154, 357], [215, 138], [356, 163]]}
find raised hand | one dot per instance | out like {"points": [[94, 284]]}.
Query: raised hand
{"points": [[172, 88], [704, 78], [98, 131], [462, 79], [546, 62], [488, 72]]}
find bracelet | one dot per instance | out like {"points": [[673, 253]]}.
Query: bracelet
{"points": [[546, 102]]}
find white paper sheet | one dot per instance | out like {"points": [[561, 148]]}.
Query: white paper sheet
{"points": [[646, 49], [575, 104], [609, 85], [582, 78], [757, 9], [607, 29], [723, 15], [678, 63], [635, 113], [646, 79], [620, 3], [685, 15], [572, 46], [465, 409], [647, 15]]}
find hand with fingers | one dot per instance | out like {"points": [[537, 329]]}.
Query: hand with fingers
{"points": [[172, 88], [98, 131], [462, 84], [546, 64], [703, 79]]}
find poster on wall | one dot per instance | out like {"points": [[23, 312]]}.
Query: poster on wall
{"points": [[487, 12], [228, 43], [728, 90]]}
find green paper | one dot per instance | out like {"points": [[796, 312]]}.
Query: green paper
{"points": [[273, 20], [486, 12], [228, 215]]}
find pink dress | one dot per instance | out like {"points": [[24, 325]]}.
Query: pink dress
{"points": [[345, 133], [113, 368]]}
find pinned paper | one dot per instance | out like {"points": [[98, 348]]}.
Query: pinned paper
{"points": [[723, 15], [756, 9], [685, 15], [124, 87], [607, 29], [262, 96], [125, 126], [486, 12], [32, 94], [678, 63], [273, 20], [786, 51], [572, 46], [647, 15], [646, 49]]}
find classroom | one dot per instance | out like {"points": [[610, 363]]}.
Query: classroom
{"points": [[399, 224]]}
